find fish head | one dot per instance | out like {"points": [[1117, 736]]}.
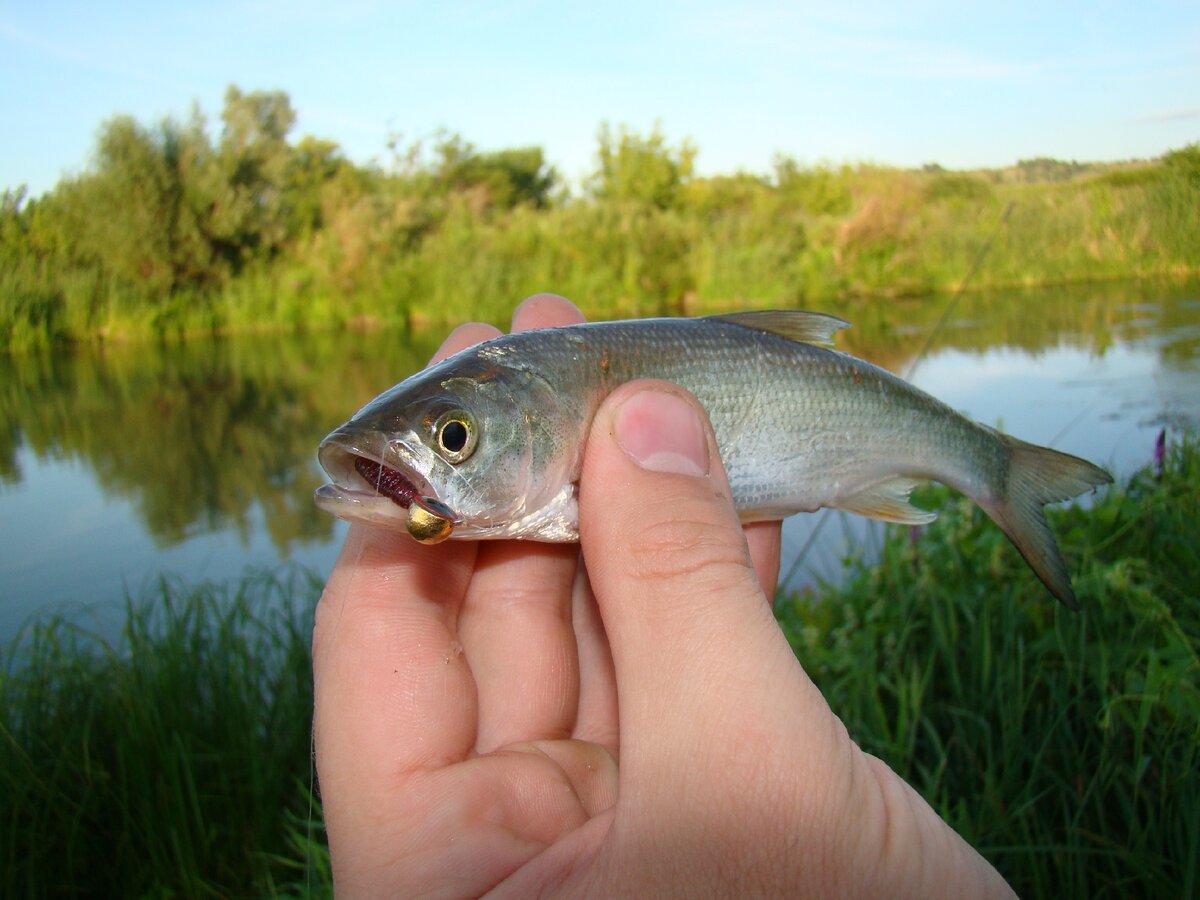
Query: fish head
{"points": [[479, 444]]}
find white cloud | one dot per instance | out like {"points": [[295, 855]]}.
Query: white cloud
{"points": [[1173, 115]]}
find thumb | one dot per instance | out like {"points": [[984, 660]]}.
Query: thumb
{"points": [[731, 763], [694, 644]]}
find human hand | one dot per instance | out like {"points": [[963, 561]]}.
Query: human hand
{"points": [[490, 717]]}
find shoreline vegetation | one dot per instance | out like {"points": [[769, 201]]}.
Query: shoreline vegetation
{"points": [[1065, 746], [170, 233]]}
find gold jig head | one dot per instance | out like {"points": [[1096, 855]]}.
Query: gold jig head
{"points": [[430, 521]]}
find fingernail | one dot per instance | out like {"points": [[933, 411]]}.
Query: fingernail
{"points": [[663, 433]]}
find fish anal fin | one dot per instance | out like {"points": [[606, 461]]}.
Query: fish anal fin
{"points": [[887, 500], [794, 324]]}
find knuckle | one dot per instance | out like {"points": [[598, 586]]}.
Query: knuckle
{"points": [[692, 547]]}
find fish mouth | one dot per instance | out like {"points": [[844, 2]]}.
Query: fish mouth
{"points": [[375, 487]]}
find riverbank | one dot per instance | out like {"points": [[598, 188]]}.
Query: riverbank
{"points": [[450, 234], [1064, 745]]}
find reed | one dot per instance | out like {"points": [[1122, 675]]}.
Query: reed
{"points": [[165, 762]]}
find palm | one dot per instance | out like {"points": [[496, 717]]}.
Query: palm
{"points": [[470, 724]]}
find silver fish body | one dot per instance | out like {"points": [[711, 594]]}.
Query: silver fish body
{"points": [[496, 433]]}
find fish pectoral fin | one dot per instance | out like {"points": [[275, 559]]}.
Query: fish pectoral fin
{"points": [[793, 324], [887, 500]]}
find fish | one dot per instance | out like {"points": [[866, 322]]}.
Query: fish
{"points": [[488, 443]]}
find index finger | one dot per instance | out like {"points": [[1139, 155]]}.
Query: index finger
{"points": [[391, 688], [521, 597]]}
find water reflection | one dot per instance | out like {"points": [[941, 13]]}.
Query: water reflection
{"points": [[201, 436], [199, 458]]}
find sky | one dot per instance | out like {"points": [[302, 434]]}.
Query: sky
{"points": [[960, 84]]}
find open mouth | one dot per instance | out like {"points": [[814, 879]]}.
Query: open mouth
{"points": [[361, 486], [360, 481]]}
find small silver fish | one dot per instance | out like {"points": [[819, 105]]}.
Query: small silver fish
{"points": [[488, 443]]}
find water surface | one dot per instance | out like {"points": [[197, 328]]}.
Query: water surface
{"points": [[197, 459]]}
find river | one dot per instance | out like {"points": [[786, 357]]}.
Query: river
{"points": [[122, 463]]}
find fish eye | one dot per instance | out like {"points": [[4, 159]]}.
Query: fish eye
{"points": [[456, 435]]}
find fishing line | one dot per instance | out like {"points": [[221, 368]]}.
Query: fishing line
{"points": [[980, 255], [1070, 426], [812, 537]]}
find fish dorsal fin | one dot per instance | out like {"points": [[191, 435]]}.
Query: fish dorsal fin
{"points": [[888, 501], [793, 324]]}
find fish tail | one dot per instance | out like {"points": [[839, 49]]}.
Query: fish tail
{"points": [[1037, 476]]}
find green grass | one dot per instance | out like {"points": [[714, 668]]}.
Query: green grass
{"points": [[1064, 745], [170, 762]]}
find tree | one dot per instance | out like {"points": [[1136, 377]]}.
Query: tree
{"points": [[641, 169], [249, 215], [163, 209], [135, 212], [505, 178], [314, 163], [14, 223]]}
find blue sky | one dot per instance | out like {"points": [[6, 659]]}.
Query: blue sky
{"points": [[897, 83]]}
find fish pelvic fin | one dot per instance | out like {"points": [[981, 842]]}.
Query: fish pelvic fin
{"points": [[1037, 476], [887, 500], [794, 324]]}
